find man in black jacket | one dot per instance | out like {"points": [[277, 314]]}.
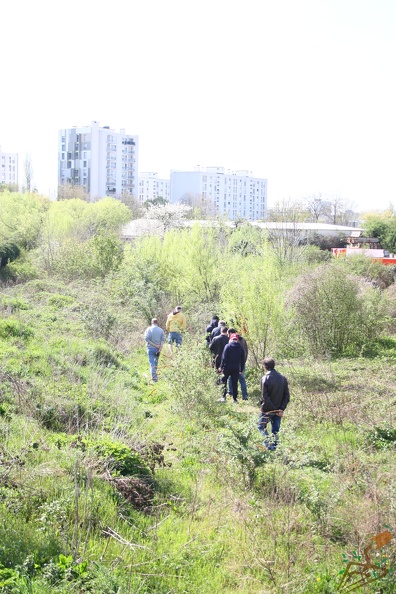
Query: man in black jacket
{"points": [[232, 364], [274, 400], [217, 346]]}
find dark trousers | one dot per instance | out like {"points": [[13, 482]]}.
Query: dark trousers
{"points": [[234, 375], [271, 441]]}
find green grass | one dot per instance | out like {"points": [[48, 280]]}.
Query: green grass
{"points": [[214, 512]]}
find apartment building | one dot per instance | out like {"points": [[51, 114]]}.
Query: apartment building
{"points": [[8, 168], [104, 162], [236, 194], [151, 187]]}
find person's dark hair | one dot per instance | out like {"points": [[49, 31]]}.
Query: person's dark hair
{"points": [[154, 321], [224, 330], [215, 317], [232, 331], [269, 363]]}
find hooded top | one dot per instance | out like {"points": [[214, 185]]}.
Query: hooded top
{"points": [[233, 358]]}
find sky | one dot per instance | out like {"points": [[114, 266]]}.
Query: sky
{"points": [[300, 92]]}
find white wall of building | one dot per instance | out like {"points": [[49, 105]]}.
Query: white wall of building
{"points": [[151, 187], [103, 161], [236, 194], [8, 168]]}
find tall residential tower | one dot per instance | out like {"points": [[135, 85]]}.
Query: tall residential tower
{"points": [[151, 187], [104, 162], [237, 194], [8, 168]]}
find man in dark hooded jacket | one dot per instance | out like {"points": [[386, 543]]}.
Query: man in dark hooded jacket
{"points": [[232, 364]]}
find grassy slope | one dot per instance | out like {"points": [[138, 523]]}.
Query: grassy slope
{"points": [[226, 516]]}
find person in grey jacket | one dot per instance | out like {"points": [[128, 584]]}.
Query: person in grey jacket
{"points": [[275, 397], [155, 338]]}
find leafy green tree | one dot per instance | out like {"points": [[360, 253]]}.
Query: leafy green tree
{"points": [[382, 226], [191, 259], [8, 253], [140, 279], [21, 218], [252, 300]]}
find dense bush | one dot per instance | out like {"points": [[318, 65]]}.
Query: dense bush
{"points": [[334, 312]]}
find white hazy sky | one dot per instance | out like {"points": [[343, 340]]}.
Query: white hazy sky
{"points": [[301, 92]]}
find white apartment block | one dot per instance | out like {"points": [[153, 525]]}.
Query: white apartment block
{"points": [[103, 161], [236, 194], [8, 168], [151, 187]]}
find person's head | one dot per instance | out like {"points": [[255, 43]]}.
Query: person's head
{"points": [[222, 323], [215, 318], [269, 363], [154, 321], [224, 330], [231, 331], [234, 338], [177, 309]]}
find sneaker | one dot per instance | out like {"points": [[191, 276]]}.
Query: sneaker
{"points": [[221, 399], [235, 401], [245, 398]]}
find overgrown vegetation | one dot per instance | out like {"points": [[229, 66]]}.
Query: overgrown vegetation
{"points": [[112, 484]]}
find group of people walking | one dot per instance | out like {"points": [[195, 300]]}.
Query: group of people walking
{"points": [[230, 352]]}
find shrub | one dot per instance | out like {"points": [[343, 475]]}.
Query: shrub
{"points": [[104, 356], [8, 253], [372, 270], [334, 313], [12, 304], [192, 381], [121, 459], [14, 328], [98, 319]]}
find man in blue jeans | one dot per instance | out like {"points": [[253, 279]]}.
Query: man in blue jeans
{"points": [[155, 338], [274, 400], [241, 378]]}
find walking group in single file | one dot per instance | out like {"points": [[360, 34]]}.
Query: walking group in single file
{"points": [[230, 353]]}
